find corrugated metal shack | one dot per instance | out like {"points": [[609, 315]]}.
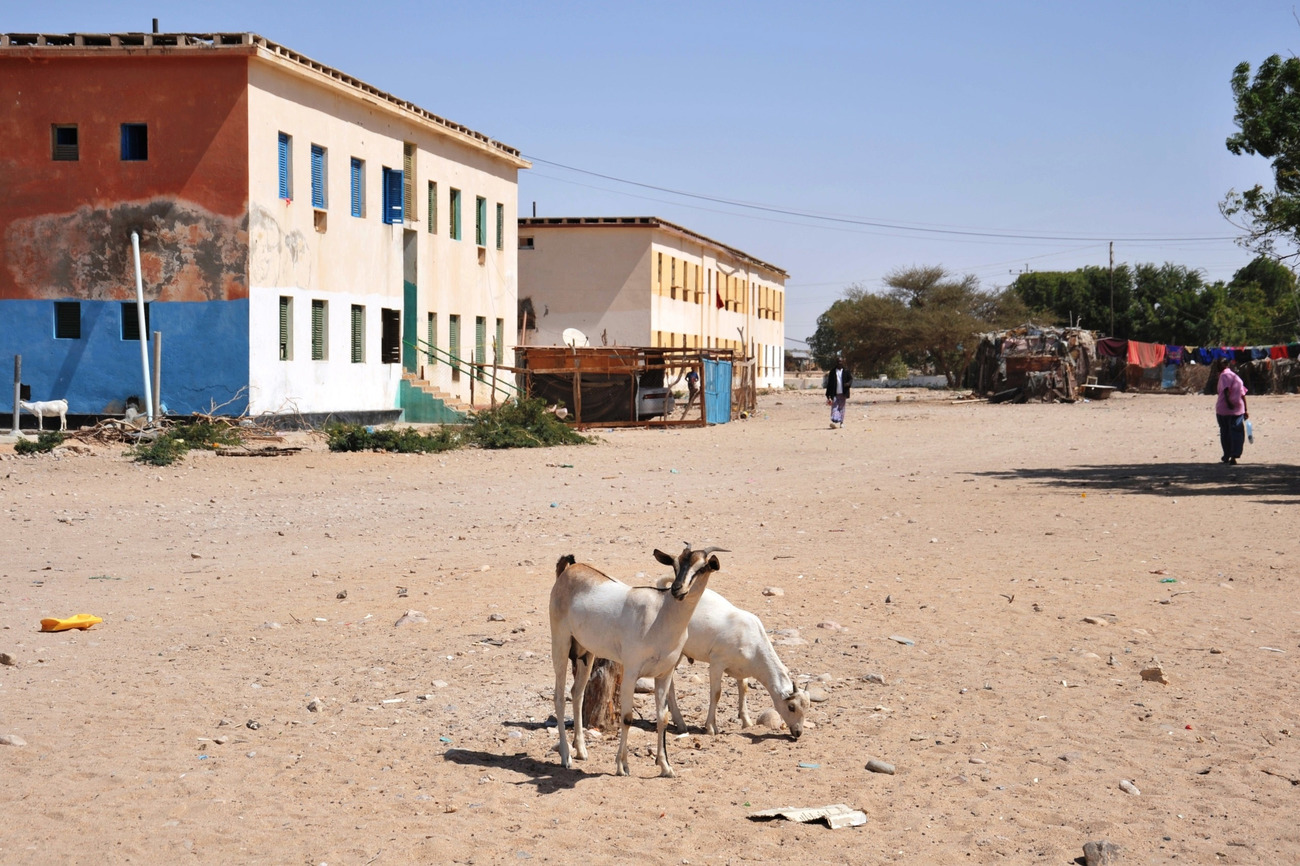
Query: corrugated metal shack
{"points": [[624, 386], [1033, 363]]}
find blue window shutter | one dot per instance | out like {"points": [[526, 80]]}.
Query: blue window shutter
{"points": [[356, 187], [284, 166], [317, 176], [393, 202]]}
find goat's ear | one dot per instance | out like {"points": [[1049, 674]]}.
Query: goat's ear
{"points": [[713, 564], [665, 558]]}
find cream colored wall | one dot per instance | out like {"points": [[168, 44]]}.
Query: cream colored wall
{"points": [[595, 279], [362, 257]]}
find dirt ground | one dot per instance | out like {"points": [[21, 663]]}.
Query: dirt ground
{"points": [[1032, 559]]}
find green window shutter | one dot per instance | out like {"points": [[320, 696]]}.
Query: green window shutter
{"points": [[318, 330], [408, 182], [453, 337], [358, 334], [286, 332], [480, 342], [453, 229], [480, 221], [501, 341], [433, 337], [433, 208], [501, 226]]}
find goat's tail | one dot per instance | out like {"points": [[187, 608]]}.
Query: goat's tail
{"points": [[563, 563]]}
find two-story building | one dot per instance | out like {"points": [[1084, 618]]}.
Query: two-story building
{"points": [[306, 239], [643, 281]]}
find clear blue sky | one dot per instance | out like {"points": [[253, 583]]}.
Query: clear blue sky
{"points": [[1085, 122]]}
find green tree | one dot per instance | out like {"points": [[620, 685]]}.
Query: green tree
{"points": [[865, 329], [1268, 123]]}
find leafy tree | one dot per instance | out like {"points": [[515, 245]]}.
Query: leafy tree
{"points": [[927, 319], [1268, 120]]}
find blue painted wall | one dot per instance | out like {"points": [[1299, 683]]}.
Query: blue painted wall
{"points": [[204, 358]]}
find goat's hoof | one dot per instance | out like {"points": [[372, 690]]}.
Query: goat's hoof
{"points": [[621, 771], [666, 773]]}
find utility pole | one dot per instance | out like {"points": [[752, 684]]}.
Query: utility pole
{"points": [[1112, 288]]}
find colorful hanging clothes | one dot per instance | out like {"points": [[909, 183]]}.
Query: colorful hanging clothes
{"points": [[1112, 347], [1145, 355], [1174, 355], [1258, 353], [1293, 350], [1277, 353]]}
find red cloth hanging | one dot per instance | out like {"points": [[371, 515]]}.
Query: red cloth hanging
{"points": [[1146, 354]]}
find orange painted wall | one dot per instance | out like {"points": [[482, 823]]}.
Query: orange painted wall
{"points": [[65, 227]]}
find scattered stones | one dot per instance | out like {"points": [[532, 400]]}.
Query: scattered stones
{"points": [[1100, 853], [1095, 620], [315, 705], [905, 641], [773, 591], [644, 686], [788, 637], [439, 684], [818, 695], [877, 766], [770, 719], [496, 617], [252, 724], [222, 740], [1128, 787], [874, 678], [6, 659], [1155, 674], [271, 624], [12, 740], [410, 617], [341, 594]]}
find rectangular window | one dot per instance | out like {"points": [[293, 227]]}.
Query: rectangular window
{"points": [[500, 343], [286, 166], [480, 342], [318, 177], [408, 181], [358, 189], [131, 321], [433, 338], [525, 243], [453, 230], [358, 334], [501, 226], [286, 328], [67, 320], [480, 221], [659, 276], [433, 208], [135, 142], [63, 142], [672, 286], [320, 330], [390, 336], [393, 190], [453, 345]]}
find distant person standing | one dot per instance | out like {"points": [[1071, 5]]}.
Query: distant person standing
{"points": [[838, 382], [1232, 414]]}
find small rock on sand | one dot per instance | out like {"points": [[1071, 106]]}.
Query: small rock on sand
{"points": [[411, 616], [773, 591], [6, 659], [877, 766], [1155, 674], [1101, 853], [1128, 787], [12, 740], [769, 718]]}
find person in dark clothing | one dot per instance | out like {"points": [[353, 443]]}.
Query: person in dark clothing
{"points": [[838, 382]]}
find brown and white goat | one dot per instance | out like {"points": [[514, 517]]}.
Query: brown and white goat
{"points": [[642, 628]]}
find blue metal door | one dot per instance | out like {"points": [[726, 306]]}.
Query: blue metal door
{"points": [[717, 391]]}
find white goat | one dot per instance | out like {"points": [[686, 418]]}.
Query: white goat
{"points": [[47, 409], [734, 642], [641, 627]]}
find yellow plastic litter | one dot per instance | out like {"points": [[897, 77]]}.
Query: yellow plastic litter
{"points": [[82, 621]]}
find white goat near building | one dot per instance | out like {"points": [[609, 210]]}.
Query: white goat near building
{"points": [[47, 409], [642, 628], [734, 642]]}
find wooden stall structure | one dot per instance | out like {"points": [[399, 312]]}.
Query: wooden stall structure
{"points": [[618, 386]]}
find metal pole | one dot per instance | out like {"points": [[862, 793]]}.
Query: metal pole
{"points": [[157, 374], [143, 328], [18, 387], [1112, 288]]}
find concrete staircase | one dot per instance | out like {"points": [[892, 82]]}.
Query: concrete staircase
{"points": [[422, 403]]}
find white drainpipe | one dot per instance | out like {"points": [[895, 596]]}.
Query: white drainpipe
{"points": [[139, 314]]}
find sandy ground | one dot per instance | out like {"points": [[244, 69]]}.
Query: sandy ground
{"points": [[178, 730]]}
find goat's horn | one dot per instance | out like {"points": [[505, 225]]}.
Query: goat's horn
{"points": [[708, 550]]}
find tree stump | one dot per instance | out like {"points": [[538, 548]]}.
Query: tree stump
{"points": [[600, 707]]}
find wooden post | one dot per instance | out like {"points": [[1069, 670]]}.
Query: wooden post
{"points": [[577, 388], [18, 387], [496, 359], [157, 374], [600, 702]]}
